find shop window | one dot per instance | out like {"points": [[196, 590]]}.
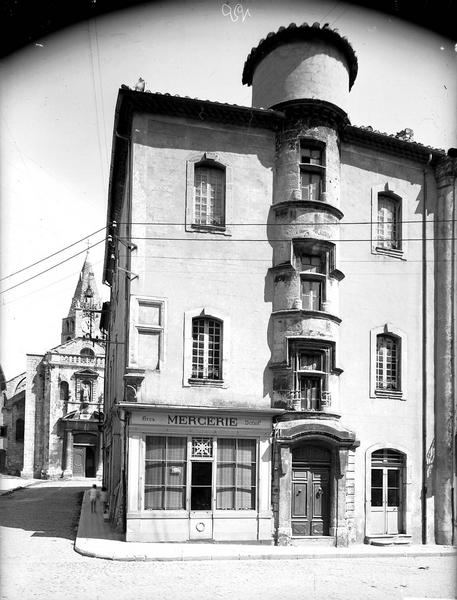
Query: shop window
{"points": [[388, 363], [165, 473], [19, 430], [209, 196], [312, 169], [206, 349], [236, 474]]}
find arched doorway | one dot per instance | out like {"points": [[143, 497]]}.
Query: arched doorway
{"points": [[84, 455], [387, 498], [311, 491]]}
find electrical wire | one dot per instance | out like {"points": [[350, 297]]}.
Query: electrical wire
{"points": [[261, 240], [51, 255], [53, 267], [264, 224]]}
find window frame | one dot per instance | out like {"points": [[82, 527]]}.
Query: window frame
{"points": [[218, 161], [389, 330], [377, 247], [312, 167], [138, 328], [208, 348], [224, 319]]}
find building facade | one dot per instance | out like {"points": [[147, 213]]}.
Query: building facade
{"points": [[280, 365], [53, 412]]}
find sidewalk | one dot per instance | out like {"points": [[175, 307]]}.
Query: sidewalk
{"points": [[9, 483], [96, 538]]}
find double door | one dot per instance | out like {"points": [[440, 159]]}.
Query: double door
{"points": [[386, 500], [310, 502]]}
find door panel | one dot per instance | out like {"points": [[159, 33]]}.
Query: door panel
{"points": [[310, 501], [201, 519], [79, 461], [386, 501]]}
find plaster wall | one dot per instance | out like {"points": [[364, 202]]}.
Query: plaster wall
{"points": [[381, 290], [223, 273], [307, 69]]}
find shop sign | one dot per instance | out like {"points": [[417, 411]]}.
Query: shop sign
{"points": [[192, 420]]}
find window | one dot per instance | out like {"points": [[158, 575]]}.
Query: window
{"points": [[310, 367], [314, 263], [209, 196], [312, 170], [236, 474], [165, 473], [87, 352], [388, 222], [311, 294], [388, 357], [206, 349], [19, 430], [3, 430], [149, 317], [387, 363]]}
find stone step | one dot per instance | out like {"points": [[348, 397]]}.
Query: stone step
{"points": [[317, 540]]}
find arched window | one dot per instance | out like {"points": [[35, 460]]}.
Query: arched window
{"points": [[87, 352], [209, 195], [206, 348], [63, 391], [19, 430], [389, 222], [388, 362]]}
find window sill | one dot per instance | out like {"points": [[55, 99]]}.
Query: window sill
{"points": [[393, 394], [205, 382], [389, 252], [213, 229]]}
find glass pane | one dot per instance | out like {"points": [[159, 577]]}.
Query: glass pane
{"points": [[201, 473], [245, 476], [376, 497], [225, 475], [376, 477], [245, 499], [226, 449], [246, 451], [154, 473], [225, 498], [200, 498], [176, 448], [153, 498], [393, 497], [176, 474], [155, 448], [202, 447], [393, 478], [176, 498]]}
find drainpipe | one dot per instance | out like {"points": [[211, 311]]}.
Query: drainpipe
{"points": [[424, 356], [452, 154]]}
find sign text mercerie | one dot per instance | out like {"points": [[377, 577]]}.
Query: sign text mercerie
{"points": [[205, 421]]}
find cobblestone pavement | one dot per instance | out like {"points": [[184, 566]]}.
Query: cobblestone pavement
{"points": [[37, 527]]}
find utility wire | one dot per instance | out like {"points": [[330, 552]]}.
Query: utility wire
{"points": [[53, 267], [286, 224], [51, 255], [229, 239]]}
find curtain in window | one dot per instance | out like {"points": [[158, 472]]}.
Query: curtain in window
{"points": [[165, 473], [236, 474], [387, 362], [209, 196], [388, 226], [311, 294]]}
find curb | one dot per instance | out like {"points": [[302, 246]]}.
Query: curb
{"points": [[180, 557]]}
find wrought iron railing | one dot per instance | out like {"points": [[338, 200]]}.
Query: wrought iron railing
{"points": [[297, 400]]}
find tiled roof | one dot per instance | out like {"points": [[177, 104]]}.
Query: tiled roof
{"points": [[294, 33]]}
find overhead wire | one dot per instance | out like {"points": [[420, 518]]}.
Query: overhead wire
{"points": [[51, 255]]}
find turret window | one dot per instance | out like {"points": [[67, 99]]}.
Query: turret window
{"points": [[312, 170]]}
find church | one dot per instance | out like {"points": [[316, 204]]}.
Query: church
{"points": [[53, 412]]}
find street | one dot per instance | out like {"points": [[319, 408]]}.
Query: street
{"points": [[38, 527]]}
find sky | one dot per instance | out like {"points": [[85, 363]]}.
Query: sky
{"points": [[57, 103]]}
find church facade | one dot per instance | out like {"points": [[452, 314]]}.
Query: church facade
{"points": [[282, 358], [53, 412]]}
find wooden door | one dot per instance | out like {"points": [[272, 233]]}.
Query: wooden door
{"points": [[79, 461], [310, 501]]}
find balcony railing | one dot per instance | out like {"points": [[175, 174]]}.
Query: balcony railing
{"points": [[297, 400]]}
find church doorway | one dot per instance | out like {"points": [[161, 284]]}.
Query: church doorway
{"points": [[84, 455]]}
